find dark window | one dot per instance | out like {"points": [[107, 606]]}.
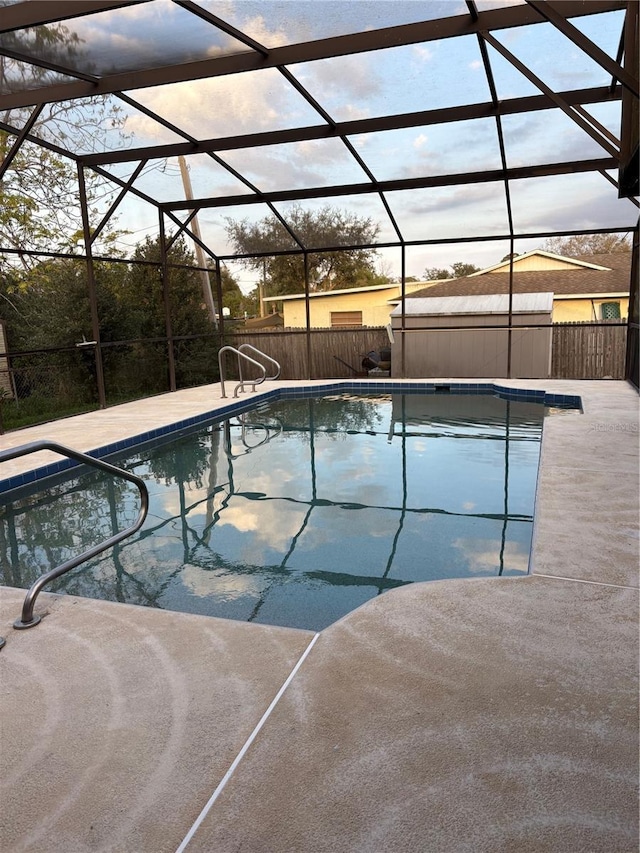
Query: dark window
{"points": [[610, 310]]}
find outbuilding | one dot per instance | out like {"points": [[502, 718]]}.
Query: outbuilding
{"points": [[468, 336]]}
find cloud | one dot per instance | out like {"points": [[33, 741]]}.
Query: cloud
{"points": [[475, 65], [442, 199], [342, 81], [302, 164], [271, 524], [420, 141], [222, 106], [568, 202], [482, 555], [423, 53], [257, 28]]}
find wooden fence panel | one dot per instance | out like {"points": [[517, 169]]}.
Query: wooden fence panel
{"points": [[580, 350], [335, 353], [588, 351]]}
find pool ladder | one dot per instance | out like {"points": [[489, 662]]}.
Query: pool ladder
{"points": [[271, 431], [243, 357], [27, 619]]}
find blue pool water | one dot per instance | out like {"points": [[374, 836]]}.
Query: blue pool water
{"points": [[299, 511]]}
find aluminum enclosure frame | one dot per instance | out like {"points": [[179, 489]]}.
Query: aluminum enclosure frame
{"points": [[486, 26]]}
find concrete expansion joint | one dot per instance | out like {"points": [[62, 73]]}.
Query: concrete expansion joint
{"points": [[227, 776], [580, 580]]}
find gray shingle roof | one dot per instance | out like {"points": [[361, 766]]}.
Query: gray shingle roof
{"points": [[615, 279]]}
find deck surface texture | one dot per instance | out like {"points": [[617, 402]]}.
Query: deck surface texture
{"points": [[467, 715]]}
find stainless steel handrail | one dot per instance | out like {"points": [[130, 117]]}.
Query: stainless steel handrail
{"points": [[242, 382], [243, 347], [28, 620], [242, 423]]}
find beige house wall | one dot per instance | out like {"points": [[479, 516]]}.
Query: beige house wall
{"points": [[374, 305], [538, 262], [586, 309]]}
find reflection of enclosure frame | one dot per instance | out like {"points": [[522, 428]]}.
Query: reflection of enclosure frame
{"points": [[28, 619], [202, 540]]}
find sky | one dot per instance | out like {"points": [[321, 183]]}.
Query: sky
{"points": [[398, 80]]}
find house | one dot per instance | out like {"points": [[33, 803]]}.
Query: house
{"points": [[586, 288], [354, 306]]}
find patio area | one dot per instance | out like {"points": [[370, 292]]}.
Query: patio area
{"points": [[475, 715]]}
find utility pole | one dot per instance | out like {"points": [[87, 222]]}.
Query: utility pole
{"points": [[261, 286], [195, 227]]}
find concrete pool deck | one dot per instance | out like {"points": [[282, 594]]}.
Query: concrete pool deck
{"points": [[474, 715]]}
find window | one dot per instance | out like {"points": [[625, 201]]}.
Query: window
{"points": [[346, 318], [610, 310]]}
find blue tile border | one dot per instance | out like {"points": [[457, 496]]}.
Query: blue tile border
{"points": [[348, 386]]}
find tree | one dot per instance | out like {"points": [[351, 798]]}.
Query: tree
{"points": [[588, 244], [39, 197], [457, 270], [329, 226], [461, 269], [195, 355], [436, 273], [48, 305], [233, 298], [143, 292]]}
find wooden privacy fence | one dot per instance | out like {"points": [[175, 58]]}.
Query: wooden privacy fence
{"points": [[589, 350], [331, 349], [579, 350]]}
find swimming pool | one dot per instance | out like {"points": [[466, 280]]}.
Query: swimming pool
{"points": [[299, 511]]}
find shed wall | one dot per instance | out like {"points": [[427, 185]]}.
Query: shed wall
{"points": [[471, 354]]}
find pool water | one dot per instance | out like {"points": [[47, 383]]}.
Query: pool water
{"points": [[299, 511]]}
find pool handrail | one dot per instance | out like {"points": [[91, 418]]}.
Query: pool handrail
{"points": [[243, 425], [27, 619], [268, 358], [242, 382]]}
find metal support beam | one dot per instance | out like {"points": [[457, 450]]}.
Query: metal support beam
{"points": [[597, 137], [510, 318], [403, 317], [20, 139], [598, 126], [307, 306], [614, 183], [494, 175], [91, 287], [507, 190], [166, 302], [34, 14], [116, 203], [220, 299], [180, 230], [221, 24], [380, 39], [423, 118], [547, 11]]}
